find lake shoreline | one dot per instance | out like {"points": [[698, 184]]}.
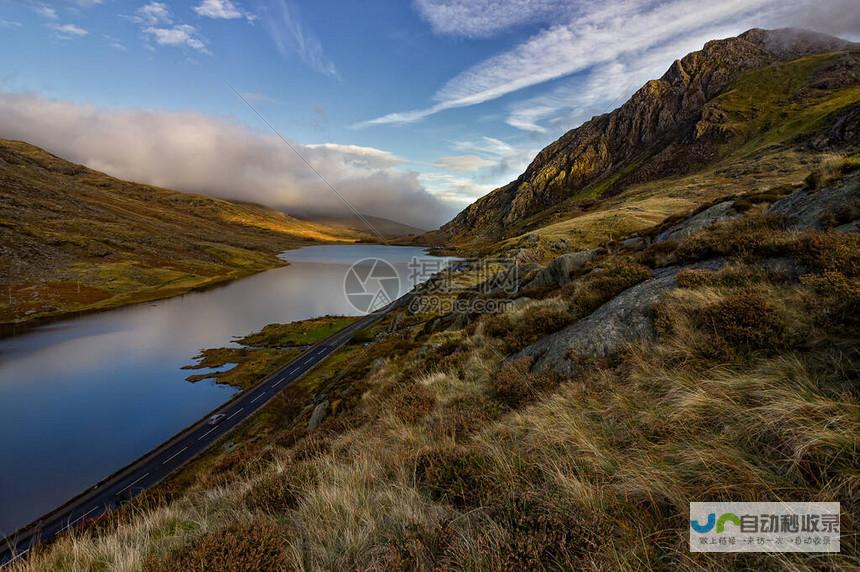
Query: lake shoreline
{"points": [[88, 394], [19, 327]]}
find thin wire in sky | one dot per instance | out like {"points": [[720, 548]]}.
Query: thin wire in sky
{"points": [[318, 174]]}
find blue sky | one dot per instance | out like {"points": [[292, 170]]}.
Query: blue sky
{"points": [[414, 109]]}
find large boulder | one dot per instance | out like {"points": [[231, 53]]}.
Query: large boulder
{"points": [[832, 207], [625, 318], [319, 414], [558, 271], [708, 217]]}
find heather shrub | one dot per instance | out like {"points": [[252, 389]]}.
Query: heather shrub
{"points": [[542, 537], [411, 403], [520, 328], [830, 170], [744, 321], [256, 546], [747, 236], [839, 297], [730, 276], [452, 474], [601, 285], [514, 385], [281, 491], [658, 254], [829, 252]]}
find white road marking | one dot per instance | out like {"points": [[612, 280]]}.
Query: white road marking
{"points": [[201, 437], [134, 483], [74, 522], [277, 382], [307, 361], [170, 458]]}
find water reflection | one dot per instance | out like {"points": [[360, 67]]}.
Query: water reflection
{"points": [[81, 398]]}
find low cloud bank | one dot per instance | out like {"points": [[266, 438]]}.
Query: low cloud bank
{"points": [[201, 154]]}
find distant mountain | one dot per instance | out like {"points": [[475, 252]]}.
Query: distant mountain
{"points": [[389, 229], [760, 92], [74, 239]]}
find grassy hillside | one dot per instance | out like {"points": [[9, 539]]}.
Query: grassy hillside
{"points": [[73, 239], [445, 446]]}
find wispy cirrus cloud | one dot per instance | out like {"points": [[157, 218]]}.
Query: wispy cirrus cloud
{"points": [[604, 87], [481, 19], [466, 163], [46, 11], [595, 35], [579, 36], [291, 37], [68, 31]]}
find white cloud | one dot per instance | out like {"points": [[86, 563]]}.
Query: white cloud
{"points": [[464, 162], [222, 9], [597, 34], [152, 14], [10, 24], [157, 23], [88, 3], [178, 36], [291, 37], [459, 191], [115, 43], [68, 31], [490, 163], [362, 156], [197, 153], [45, 11], [487, 145]]}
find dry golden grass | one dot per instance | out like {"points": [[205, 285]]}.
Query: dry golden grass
{"points": [[449, 459], [76, 240]]}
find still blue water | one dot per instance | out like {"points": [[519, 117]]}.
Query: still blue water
{"points": [[81, 398]]}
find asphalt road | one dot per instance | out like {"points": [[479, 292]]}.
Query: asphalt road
{"points": [[156, 465]]}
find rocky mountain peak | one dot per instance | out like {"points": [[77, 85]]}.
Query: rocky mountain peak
{"points": [[656, 133]]}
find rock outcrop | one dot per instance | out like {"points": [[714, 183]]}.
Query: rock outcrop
{"points": [[625, 318], [666, 128], [558, 271], [835, 207], [718, 213]]}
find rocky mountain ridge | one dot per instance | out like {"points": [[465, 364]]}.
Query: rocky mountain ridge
{"points": [[671, 126]]}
